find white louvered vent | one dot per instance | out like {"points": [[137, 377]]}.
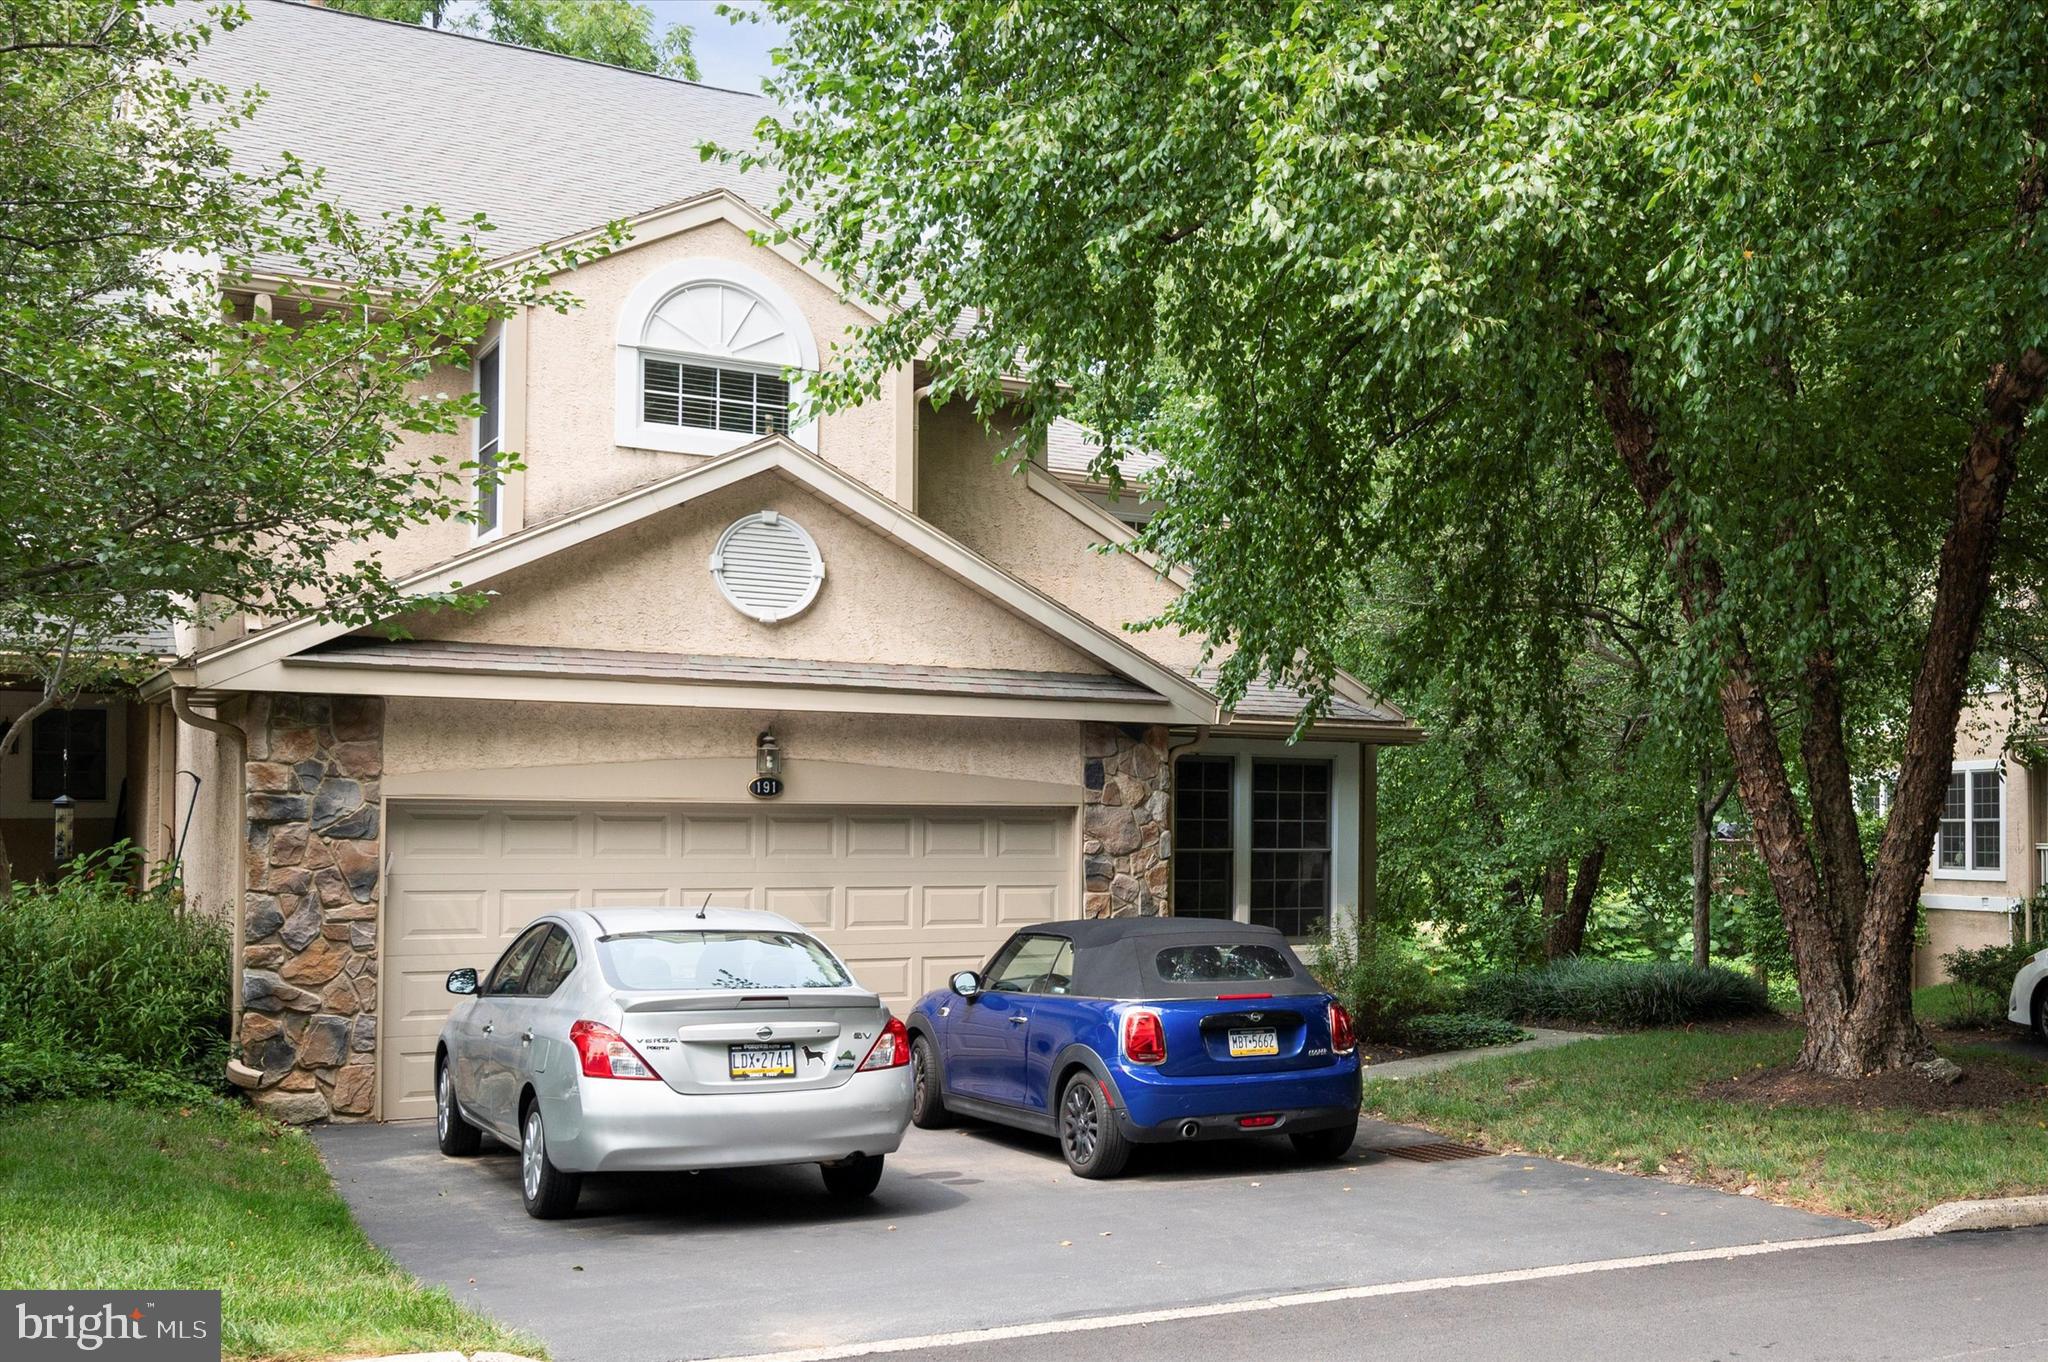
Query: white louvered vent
{"points": [[768, 567]]}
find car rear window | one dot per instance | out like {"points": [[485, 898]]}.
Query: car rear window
{"points": [[1224, 962], [689, 961]]}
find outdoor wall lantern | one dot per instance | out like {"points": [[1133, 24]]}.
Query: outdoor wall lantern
{"points": [[767, 767]]}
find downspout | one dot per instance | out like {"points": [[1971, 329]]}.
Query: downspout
{"points": [[238, 750]]}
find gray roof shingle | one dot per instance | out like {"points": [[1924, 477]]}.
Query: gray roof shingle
{"points": [[544, 145]]}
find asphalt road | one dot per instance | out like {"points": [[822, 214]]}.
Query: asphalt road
{"points": [[1949, 1297], [977, 1227]]}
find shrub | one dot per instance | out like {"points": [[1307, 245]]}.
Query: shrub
{"points": [[1983, 980], [92, 969], [45, 1073], [1459, 1031], [1383, 981], [1618, 993]]}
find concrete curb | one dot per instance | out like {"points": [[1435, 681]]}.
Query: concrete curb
{"points": [[1999, 1213]]}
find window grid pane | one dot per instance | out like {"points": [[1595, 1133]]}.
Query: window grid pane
{"points": [[738, 401], [1290, 847], [1985, 794], [68, 755], [1954, 824], [1203, 864]]}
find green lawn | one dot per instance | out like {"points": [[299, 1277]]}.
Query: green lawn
{"points": [[1630, 1101], [1957, 1005], [106, 1195]]}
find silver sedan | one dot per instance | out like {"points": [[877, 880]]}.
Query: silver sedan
{"points": [[644, 1039]]}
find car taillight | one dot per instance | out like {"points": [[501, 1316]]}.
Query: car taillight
{"points": [[605, 1053], [891, 1049], [1341, 1039], [1144, 1038]]}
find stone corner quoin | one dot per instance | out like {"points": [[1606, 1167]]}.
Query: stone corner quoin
{"points": [[1124, 819], [309, 912]]}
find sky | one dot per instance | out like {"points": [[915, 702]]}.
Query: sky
{"points": [[733, 55]]}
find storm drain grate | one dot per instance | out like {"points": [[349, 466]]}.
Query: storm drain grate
{"points": [[1436, 1151]]}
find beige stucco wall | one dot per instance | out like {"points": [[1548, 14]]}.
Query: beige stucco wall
{"points": [[424, 735], [212, 866], [1981, 735], [1951, 930], [648, 588], [988, 506], [570, 458], [422, 546]]}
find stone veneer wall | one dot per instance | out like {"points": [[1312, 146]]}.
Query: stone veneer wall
{"points": [[308, 1038], [1124, 840]]}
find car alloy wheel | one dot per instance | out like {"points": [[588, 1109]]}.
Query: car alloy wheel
{"points": [[532, 1156], [444, 1103], [1081, 1124], [1094, 1145]]}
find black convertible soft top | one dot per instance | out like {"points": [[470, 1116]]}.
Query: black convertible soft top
{"points": [[1120, 957]]}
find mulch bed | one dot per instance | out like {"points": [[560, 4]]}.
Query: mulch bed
{"points": [[1983, 1086]]}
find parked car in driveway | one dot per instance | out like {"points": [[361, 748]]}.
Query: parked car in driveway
{"points": [[2030, 995], [644, 1039], [1125, 1031]]}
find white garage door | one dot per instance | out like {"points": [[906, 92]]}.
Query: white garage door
{"points": [[906, 897]]}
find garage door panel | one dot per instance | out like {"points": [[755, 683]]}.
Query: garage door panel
{"points": [[624, 835], [548, 835], [1027, 837], [799, 836], [956, 905], [440, 834], [870, 836], [871, 907], [907, 898], [703, 836], [1018, 904], [888, 975], [810, 908], [956, 837]]}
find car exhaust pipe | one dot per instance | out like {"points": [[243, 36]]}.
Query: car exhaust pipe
{"points": [[1190, 1129]]}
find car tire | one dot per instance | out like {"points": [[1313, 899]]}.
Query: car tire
{"points": [[853, 1179], [1326, 1146], [549, 1193], [927, 1100], [2041, 1014], [457, 1137], [1090, 1139]]}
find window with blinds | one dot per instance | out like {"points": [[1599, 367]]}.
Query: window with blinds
{"points": [[488, 485], [738, 401]]}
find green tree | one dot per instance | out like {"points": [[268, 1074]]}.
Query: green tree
{"points": [[164, 456], [615, 32], [1768, 271]]}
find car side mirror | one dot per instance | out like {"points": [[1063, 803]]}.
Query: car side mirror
{"points": [[966, 983], [462, 980]]}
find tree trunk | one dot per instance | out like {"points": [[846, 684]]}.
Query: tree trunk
{"points": [[1565, 921], [1855, 982], [1704, 807]]}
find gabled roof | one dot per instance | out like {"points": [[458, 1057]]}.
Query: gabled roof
{"points": [[247, 663], [543, 145]]}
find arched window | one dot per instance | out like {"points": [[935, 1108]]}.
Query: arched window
{"points": [[711, 357]]}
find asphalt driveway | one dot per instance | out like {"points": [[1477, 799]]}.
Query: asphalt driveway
{"points": [[978, 1227]]}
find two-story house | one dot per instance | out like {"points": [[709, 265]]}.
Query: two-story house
{"points": [[1990, 857], [692, 586]]}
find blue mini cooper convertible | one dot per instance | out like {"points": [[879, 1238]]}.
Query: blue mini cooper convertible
{"points": [[1126, 1031]]}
